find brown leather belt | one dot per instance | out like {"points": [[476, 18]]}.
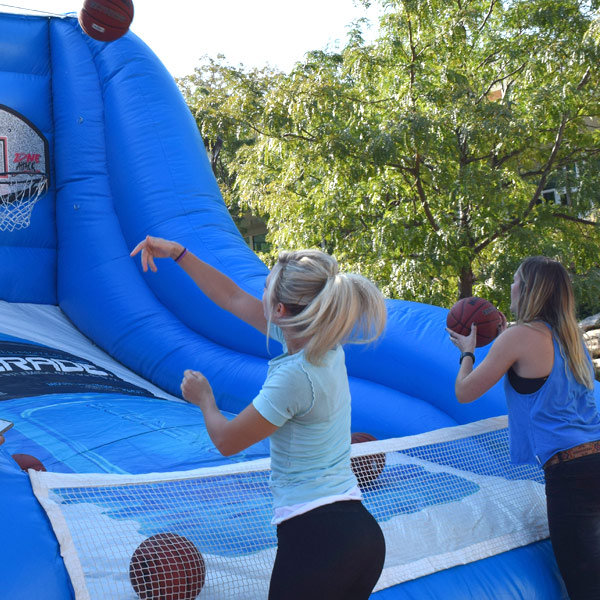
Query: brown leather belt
{"points": [[571, 453]]}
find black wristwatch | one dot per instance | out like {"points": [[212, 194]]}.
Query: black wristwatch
{"points": [[463, 354]]}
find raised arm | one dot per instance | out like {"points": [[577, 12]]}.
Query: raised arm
{"points": [[471, 383], [222, 290]]}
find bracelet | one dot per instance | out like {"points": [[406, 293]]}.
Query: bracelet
{"points": [[463, 354], [181, 255]]}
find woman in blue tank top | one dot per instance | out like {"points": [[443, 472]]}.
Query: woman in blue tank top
{"points": [[552, 412], [329, 547]]}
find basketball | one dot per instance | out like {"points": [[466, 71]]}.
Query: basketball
{"points": [[167, 566], [26, 461], [479, 311], [366, 468], [106, 20]]}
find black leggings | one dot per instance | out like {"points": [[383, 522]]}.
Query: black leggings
{"points": [[334, 552], [573, 501]]}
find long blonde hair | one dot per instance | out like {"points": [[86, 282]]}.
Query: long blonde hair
{"points": [[325, 307], [546, 294]]}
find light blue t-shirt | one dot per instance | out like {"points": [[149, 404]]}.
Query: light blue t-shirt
{"points": [[310, 452], [560, 415]]}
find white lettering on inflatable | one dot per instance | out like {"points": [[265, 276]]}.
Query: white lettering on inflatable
{"points": [[68, 366], [17, 361], [35, 363], [91, 369], [39, 361]]}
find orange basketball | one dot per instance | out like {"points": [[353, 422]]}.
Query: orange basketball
{"points": [[167, 566], [366, 468], [475, 310], [106, 20], [26, 461]]}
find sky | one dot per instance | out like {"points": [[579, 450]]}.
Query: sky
{"points": [[277, 33]]}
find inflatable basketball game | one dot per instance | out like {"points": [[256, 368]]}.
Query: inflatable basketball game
{"points": [[97, 150]]}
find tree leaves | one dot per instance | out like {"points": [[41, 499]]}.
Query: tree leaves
{"points": [[420, 159]]}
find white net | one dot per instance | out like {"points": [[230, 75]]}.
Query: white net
{"points": [[443, 498], [18, 194]]}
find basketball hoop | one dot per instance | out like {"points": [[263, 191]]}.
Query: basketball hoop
{"points": [[19, 191]]}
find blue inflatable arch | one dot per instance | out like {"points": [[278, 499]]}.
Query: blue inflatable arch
{"points": [[126, 161]]}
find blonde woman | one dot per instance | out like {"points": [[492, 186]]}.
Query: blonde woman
{"points": [[553, 417], [329, 545]]}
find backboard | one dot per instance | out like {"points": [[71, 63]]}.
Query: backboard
{"points": [[24, 168]]}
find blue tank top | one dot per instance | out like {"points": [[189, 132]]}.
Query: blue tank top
{"points": [[560, 415]]}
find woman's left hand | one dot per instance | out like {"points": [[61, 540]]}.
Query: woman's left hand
{"points": [[503, 325], [196, 389], [465, 343]]}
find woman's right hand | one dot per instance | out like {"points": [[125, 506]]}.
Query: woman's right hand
{"points": [[155, 247]]}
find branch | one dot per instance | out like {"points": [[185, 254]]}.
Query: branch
{"points": [[575, 156], [413, 51], [576, 219], [528, 174], [477, 158], [489, 13], [487, 59], [548, 166], [498, 80], [496, 162], [298, 137], [422, 195], [399, 167], [584, 79], [567, 160], [538, 191]]}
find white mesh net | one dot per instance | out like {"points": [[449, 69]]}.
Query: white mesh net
{"points": [[18, 194], [443, 498]]}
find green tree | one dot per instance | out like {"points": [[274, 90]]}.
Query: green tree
{"points": [[226, 103], [420, 159]]}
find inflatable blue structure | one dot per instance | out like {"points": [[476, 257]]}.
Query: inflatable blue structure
{"points": [[126, 160]]}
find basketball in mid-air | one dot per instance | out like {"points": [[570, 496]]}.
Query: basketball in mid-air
{"points": [[479, 311], [167, 566], [106, 20], [366, 468]]}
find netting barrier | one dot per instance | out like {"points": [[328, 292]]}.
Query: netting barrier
{"points": [[443, 498]]}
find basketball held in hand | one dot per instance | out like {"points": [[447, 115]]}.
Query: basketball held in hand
{"points": [[479, 311]]}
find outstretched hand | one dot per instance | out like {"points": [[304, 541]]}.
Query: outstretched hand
{"points": [[155, 247], [465, 343]]}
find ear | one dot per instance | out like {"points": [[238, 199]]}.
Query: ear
{"points": [[280, 311]]}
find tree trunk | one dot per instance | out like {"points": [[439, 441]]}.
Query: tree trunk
{"points": [[465, 283]]}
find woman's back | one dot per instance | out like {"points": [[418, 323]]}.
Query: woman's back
{"points": [[310, 452], [535, 349], [560, 414]]}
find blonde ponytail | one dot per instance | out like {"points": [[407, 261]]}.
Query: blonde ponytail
{"points": [[325, 307]]}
